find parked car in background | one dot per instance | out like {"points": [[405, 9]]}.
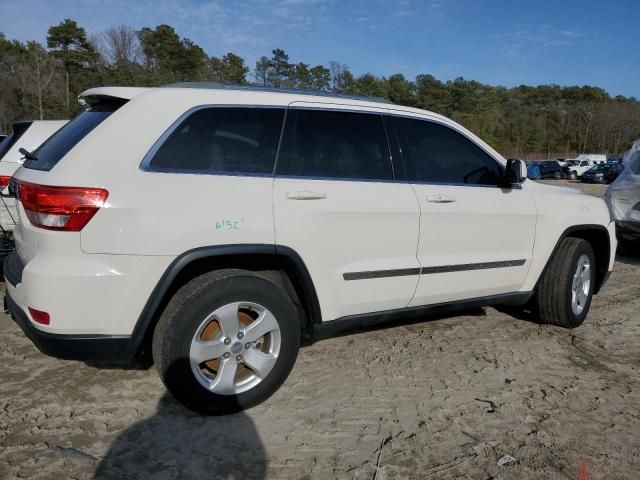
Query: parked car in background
{"points": [[592, 157], [595, 174], [303, 221], [613, 171], [28, 136], [545, 169], [576, 167]]}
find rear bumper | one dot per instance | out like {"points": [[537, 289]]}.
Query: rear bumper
{"points": [[89, 347], [97, 348]]}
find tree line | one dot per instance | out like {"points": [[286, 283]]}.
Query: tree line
{"points": [[546, 121]]}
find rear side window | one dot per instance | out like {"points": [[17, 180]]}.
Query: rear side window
{"points": [[222, 140], [434, 153], [10, 141], [58, 145], [329, 144]]}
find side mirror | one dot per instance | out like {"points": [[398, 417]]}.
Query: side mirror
{"points": [[516, 172]]}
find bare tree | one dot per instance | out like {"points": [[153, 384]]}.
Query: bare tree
{"points": [[120, 45], [40, 76], [341, 78], [9, 85]]}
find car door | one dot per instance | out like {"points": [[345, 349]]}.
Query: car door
{"points": [[584, 166], [544, 169], [337, 204], [476, 239]]}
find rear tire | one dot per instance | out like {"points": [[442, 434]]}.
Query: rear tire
{"points": [[565, 289], [573, 175], [203, 345]]}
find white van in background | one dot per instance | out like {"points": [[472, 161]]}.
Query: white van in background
{"points": [[28, 135], [583, 162]]}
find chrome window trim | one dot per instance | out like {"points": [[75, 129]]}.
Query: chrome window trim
{"points": [[337, 179], [146, 160], [360, 109]]}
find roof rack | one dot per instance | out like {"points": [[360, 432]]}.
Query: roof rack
{"points": [[257, 88]]}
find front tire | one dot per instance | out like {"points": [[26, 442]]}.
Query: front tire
{"points": [[573, 175], [226, 341], [566, 287]]}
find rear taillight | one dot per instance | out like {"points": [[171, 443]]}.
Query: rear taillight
{"points": [[60, 208], [4, 181]]}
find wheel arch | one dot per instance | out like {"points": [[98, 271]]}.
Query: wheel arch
{"points": [[282, 265], [598, 237]]}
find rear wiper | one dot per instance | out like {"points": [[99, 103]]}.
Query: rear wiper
{"points": [[27, 154]]}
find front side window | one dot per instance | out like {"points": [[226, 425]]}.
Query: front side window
{"points": [[434, 153], [222, 140], [335, 145]]}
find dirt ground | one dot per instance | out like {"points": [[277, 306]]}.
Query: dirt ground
{"points": [[442, 399]]}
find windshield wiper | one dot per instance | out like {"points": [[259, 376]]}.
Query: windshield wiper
{"points": [[27, 154]]}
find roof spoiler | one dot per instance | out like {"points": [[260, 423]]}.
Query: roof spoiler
{"points": [[95, 96]]}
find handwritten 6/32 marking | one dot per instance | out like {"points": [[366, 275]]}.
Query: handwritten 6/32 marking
{"points": [[228, 224]]}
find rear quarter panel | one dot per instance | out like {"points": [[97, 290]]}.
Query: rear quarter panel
{"points": [[152, 213]]}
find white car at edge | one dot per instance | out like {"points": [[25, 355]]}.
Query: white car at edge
{"points": [[298, 215], [28, 135]]}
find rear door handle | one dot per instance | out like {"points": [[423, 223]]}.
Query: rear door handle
{"points": [[303, 195], [439, 198]]}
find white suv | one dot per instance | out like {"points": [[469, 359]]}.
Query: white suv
{"points": [[216, 228]]}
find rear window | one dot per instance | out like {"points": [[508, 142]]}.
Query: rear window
{"points": [[10, 141], [222, 140], [57, 146]]}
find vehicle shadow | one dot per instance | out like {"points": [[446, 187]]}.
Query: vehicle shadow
{"points": [[629, 256], [177, 444], [527, 313]]}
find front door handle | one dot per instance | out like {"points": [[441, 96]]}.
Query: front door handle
{"points": [[304, 195], [439, 198]]}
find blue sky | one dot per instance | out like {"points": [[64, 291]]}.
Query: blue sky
{"points": [[499, 42]]}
